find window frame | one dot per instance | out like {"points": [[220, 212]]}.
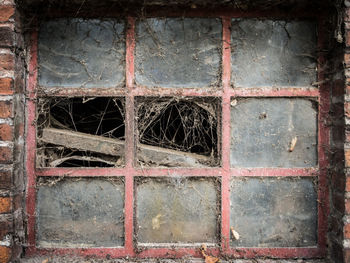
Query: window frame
{"points": [[225, 172]]}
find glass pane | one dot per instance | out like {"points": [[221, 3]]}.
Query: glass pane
{"points": [[86, 53], [269, 53], [178, 52], [274, 212], [273, 132], [177, 210], [80, 213]]}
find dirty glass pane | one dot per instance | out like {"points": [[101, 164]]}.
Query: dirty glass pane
{"points": [[178, 52], [273, 132], [177, 132], [78, 52], [268, 53], [80, 213], [177, 210], [273, 212]]}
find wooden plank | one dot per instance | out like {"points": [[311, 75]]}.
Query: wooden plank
{"points": [[83, 142], [94, 143]]}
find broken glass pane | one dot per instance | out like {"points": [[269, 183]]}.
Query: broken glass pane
{"points": [[177, 132], [178, 52], [80, 212], [273, 212], [80, 132], [273, 53], [78, 52], [177, 210], [273, 132]]}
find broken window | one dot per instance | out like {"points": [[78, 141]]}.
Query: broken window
{"points": [[187, 127], [74, 132], [156, 135]]}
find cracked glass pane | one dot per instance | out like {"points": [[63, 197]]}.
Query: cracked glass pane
{"points": [[78, 52], [178, 52], [80, 212], [273, 132], [273, 212], [177, 210], [273, 53]]}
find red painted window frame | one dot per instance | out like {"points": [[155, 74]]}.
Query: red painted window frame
{"points": [[226, 93]]}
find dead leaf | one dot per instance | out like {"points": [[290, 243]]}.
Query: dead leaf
{"points": [[45, 260], [292, 144], [208, 259], [156, 222], [234, 233]]}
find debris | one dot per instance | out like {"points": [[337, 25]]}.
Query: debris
{"points": [[262, 116], [45, 260], [94, 143], [233, 103], [156, 222], [208, 259], [234, 233], [292, 144]]}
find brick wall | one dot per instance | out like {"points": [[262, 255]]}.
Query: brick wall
{"points": [[11, 133]]}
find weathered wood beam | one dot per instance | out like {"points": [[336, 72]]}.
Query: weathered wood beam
{"points": [[94, 143]]}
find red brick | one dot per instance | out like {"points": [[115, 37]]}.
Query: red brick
{"points": [[6, 12], [6, 154], [5, 254], [7, 37], [5, 109], [347, 231], [5, 179], [5, 204], [347, 187], [347, 136], [347, 15], [347, 158], [6, 227], [6, 86], [347, 206], [347, 255], [7, 62], [6, 132], [347, 60], [347, 108], [347, 38]]}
